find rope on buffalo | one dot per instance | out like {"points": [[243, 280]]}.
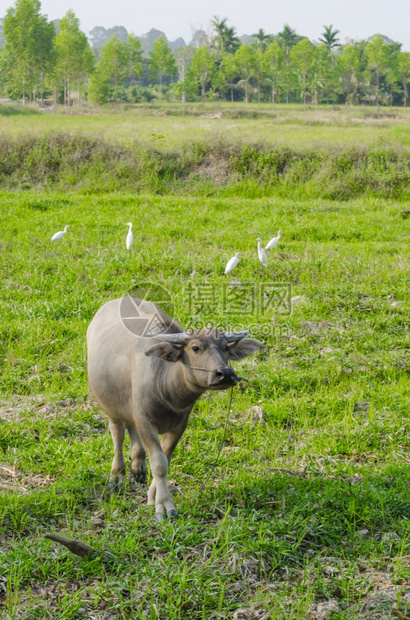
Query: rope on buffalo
{"points": [[213, 466], [215, 463]]}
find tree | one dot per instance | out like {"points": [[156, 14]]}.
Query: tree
{"points": [[391, 73], [320, 71], [262, 39], [135, 65], [377, 58], [246, 62], [301, 57], [225, 39], [232, 41], [202, 68], [287, 39], [162, 62], [183, 56], [28, 50], [2, 41], [329, 38], [45, 56], [227, 73], [110, 73], [330, 43], [219, 26], [74, 58], [273, 63], [350, 65], [403, 62]]}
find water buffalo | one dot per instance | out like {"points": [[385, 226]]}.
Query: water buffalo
{"points": [[149, 385]]}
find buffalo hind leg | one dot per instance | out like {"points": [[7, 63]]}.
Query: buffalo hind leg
{"points": [[117, 474], [137, 455]]}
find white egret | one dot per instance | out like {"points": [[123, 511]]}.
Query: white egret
{"points": [[232, 262], [60, 234], [130, 237], [262, 254], [273, 242]]}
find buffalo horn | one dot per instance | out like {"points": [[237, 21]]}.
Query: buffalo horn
{"points": [[179, 338], [234, 336]]}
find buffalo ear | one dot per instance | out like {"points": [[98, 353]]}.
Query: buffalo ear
{"points": [[243, 348], [165, 351]]}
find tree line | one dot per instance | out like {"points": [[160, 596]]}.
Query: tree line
{"points": [[42, 59]]}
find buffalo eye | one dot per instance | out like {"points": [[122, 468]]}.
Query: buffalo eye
{"points": [[195, 348]]}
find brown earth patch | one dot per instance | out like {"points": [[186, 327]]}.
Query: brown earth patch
{"points": [[12, 479]]}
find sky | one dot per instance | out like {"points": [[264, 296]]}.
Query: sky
{"points": [[356, 19]]}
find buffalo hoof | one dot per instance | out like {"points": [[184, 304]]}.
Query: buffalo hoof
{"points": [[139, 477], [115, 485], [163, 516]]}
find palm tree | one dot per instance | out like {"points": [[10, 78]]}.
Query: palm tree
{"points": [[287, 39], [329, 38], [220, 26], [330, 41], [225, 39], [232, 42], [262, 38]]}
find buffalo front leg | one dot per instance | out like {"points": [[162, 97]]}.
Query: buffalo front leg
{"points": [[137, 455], [168, 445], [161, 497], [117, 474]]}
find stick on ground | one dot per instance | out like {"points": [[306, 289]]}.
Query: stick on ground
{"points": [[75, 546]]}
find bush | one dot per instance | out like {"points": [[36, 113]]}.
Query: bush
{"points": [[140, 94], [12, 109], [87, 163]]}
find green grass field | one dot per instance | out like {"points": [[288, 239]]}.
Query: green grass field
{"points": [[305, 515], [171, 125]]}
